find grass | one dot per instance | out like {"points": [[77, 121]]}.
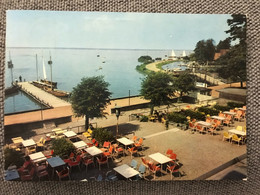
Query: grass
{"points": [[142, 69]]}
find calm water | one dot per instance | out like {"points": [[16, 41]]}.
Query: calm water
{"points": [[70, 65]]}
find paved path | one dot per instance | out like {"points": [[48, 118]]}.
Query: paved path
{"points": [[153, 67], [42, 96]]}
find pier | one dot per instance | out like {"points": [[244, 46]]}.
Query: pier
{"points": [[42, 96]]}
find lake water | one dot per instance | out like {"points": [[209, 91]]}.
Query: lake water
{"points": [[70, 65]]}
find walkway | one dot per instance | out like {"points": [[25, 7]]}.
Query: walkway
{"points": [[210, 79], [153, 67], [42, 96]]}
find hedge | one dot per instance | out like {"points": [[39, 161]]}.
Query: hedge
{"points": [[210, 111]]}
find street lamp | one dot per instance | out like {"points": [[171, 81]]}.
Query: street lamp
{"points": [[117, 108]]}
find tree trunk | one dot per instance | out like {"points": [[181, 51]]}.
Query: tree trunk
{"points": [[86, 122], [241, 84], [152, 108]]}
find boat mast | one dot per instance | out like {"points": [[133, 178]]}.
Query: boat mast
{"points": [[37, 72], [10, 66], [50, 63]]}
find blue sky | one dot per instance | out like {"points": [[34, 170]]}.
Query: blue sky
{"points": [[112, 30]]}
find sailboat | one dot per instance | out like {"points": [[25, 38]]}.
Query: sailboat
{"points": [[184, 53], [44, 80], [172, 56]]}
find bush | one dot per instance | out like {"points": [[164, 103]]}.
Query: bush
{"points": [[102, 135], [194, 115], [221, 108], [62, 147], [209, 111], [176, 117], [144, 118], [13, 157], [235, 105]]}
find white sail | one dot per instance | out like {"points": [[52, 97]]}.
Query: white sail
{"points": [[184, 53], [44, 69], [173, 54]]}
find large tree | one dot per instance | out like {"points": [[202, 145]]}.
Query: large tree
{"points": [[184, 83], [234, 63], [223, 44], [204, 51], [90, 97], [158, 88]]}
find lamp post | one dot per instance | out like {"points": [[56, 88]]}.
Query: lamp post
{"points": [[117, 108], [50, 63]]}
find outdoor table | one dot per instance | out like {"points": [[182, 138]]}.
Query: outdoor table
{"points": [[56, 129], [243, 109], [80, 145], [230, 113], [125, 141], [11, 175], [218, 118], [160, 158], [28, 142], [203, 123], [126, 171], [55, 162], [93, 151], [69, 133], [17, 140], [37, 157], [234, 131]]}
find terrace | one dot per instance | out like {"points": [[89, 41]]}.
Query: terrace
{"points": [[198, 152]]}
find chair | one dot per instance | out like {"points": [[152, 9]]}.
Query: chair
{"points": [[212, 129], [134, 138], [39, 143], [228, 120], [221, 115], [93, 142], [192, 127], [106, 145], [141, 175], [63, 173], [200, 129], [110, 176], [227, 136], [99, 178], [145, 162], [118, 150], [87, 162], [169, 152], [154, 169], [172, 169], [239, 116], [41, 171], [101, 161], [174, 158], [110, 153], [239, 128], [31, 149], [88, 134], [139, 144], [132, 151], [235, 138], [208, 120], [28, 176], [74, 163], [134, 164]]}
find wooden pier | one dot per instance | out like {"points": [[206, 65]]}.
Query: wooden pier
{"points": [[42, 96]]}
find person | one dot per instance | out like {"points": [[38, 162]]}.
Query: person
{"points": [[20, 78]]}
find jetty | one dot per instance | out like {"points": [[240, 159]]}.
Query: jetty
{"points": [[42, 96]]}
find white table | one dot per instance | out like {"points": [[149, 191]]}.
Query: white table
{"points": [[234, 131], [37, 157], [70, 134], [203, 123], [230, 113], [17, 140], [243, 109], [160, 158], [126, 171], [218, 118], [28, 142], [125, 141], [93, 151], [56, 129], [80, 145]]}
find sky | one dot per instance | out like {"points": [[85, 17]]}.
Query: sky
{"points": [[112, 30]]}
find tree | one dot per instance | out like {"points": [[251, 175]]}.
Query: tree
{"points": [[234, 62], [145, 59], [158, 88], [223, 44], [184, 83], [90, 97], [204, 51]]}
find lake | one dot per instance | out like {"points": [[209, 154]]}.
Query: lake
{"points": [[70, 65]]}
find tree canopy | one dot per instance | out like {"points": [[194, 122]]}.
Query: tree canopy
{"points": [[90, 97], [184, 83], [204, 51], [223, 44], [145, 59], [158, 88]]}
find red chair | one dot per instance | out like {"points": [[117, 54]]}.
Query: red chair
{"points": [[50, 155], [154, 169], [238, 116], [41, 171], [172, 169], [96, 144], [88, 162], [139, 144], [101, 161], [192, 127], [169, 152], [64, 173], [93, 141], [106, 145], [132, 151], [174, 158], [134, 138], [109, 154], [208, 120], [75, 163], [28, 176], [145, 162], [118, 150], [212, 129], [200, 129]]}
